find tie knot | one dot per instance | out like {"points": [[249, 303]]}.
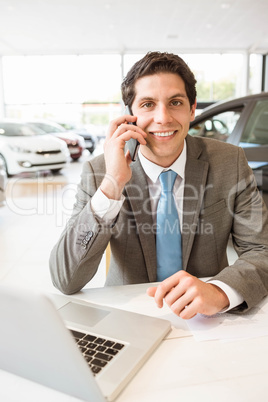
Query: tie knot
{"points": [[167, 180]]}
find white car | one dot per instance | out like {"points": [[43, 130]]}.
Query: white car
{"points": [[26, 149], [75, 143], [3, 180]]}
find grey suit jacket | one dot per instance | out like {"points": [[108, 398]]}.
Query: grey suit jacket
{"points": [[220, 198]]}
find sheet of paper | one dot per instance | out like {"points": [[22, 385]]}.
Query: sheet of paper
{"points": [[230, 326]]}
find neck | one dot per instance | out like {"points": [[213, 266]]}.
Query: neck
{"points": [[164, 161]]}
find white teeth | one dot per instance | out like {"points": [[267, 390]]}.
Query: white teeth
{"points": [[165, 134]]}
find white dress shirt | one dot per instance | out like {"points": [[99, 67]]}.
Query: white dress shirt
{"points": [[107, 209]]}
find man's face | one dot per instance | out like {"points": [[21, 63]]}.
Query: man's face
{"points": [[163, 111]]}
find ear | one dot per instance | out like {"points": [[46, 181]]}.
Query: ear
{"points": [[193, 108]]}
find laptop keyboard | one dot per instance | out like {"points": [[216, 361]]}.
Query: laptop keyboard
{"points": [[97, 351]]}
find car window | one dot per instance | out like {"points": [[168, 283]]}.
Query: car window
{"points": [[41, 126], [256, 131], [219, 127], [48, 128], [26, 130], [16, 130], [8, 129]]}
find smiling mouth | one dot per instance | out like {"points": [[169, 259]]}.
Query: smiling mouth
{"points": [[163, 134]]}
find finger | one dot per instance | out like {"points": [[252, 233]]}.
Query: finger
{"points": [[137, 135], [122, 139], [114, 124], [167, 285], [120, 142], [128, 158], [128, 128], [190, 311], [174, 294], [160, 294], [130, 118], [182, 303], [151, 291]]}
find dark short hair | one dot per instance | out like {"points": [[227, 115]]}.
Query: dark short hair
{"points": [[154, 63]]}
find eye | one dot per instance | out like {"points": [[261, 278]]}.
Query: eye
{"points": [[175, 102], [147, 105]]}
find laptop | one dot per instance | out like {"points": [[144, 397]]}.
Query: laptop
{"points": [[65, 349]]}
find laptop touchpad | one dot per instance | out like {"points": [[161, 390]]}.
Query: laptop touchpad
{"points": [[84, 315]]}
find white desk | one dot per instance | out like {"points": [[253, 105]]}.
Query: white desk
{"points": [[181, 369]]}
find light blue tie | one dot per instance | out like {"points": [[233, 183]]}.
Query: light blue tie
{"points": [[168, 235]]}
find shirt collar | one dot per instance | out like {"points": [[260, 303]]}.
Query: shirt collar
{"points": [[153, 171]]}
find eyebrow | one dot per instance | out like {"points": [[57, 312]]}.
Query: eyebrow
{"points": [[178, 95], [150, 98]]}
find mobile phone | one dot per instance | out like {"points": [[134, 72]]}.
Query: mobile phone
{"points": [[132, 145]]}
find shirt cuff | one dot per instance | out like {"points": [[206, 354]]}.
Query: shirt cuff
{"points": [[235, 299], [105, 208]]}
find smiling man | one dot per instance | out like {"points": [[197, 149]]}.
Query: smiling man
{"points": [[213, 196], [164, 114]]}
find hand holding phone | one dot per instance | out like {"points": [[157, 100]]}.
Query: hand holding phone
{"points": [[132, 145]]}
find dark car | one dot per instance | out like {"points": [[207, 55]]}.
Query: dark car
{"points": [[90, 139], [242, 122]]}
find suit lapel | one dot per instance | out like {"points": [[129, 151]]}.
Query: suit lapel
{"points": [[196, 171], [139, 198]]}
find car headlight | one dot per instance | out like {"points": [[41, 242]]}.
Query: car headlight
{"points": [[16, 148]]}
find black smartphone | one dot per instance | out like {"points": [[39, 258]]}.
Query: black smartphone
{"points": [[132, 145]]}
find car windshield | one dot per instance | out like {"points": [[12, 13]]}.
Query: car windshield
{"points": [[18, 130], [48, 128]]}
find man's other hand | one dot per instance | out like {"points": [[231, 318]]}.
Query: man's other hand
{"points": [[187, 295]]}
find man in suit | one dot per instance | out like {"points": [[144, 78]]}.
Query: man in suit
{"points": [[215, 195]]}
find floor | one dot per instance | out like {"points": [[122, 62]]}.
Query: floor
{"points": [[36, 210]]}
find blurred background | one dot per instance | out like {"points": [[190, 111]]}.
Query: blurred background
{"points": [[61, 67], [65, 60]]}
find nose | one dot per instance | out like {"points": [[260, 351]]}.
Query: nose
{"points": [[162, 115]]}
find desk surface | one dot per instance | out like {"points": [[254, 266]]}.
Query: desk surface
{"points": [[180, 369]]}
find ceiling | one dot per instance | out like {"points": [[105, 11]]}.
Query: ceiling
{"points": [[31, 27]]}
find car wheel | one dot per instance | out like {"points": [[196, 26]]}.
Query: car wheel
{"points": [[2, 159]]}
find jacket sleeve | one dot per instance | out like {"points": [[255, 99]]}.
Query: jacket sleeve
{"points": [[75, 258], [249, 274]]}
